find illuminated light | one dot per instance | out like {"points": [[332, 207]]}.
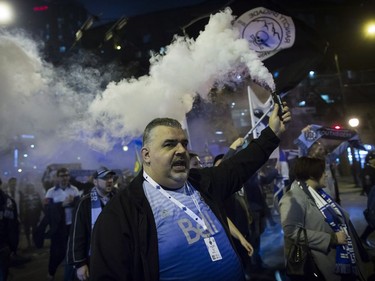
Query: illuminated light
{"points": [[40, 8], [326, 98], [108, 35], [118, 47], [302, 103], [19, 170], [121, 23], [337, 127], [370, 29], [276, 74], [25, 155], [353, 122], [6, 13], [79, 34], [27, 136], [32, 146], [312, 74], [219, 132], [15, 157], [125, 148]]}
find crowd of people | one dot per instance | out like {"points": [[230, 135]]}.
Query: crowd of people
{"points": [[178, 220]]}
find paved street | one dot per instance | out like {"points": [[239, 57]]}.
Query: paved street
{"points": [[272, 243]]}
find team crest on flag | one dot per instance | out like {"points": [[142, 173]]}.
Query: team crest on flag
{"points": [[267, 32]]}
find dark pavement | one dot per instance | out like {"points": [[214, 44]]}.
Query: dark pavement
{"points": [[271, 243]]}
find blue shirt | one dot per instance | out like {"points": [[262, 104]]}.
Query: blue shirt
{"points": [[183, 254]]}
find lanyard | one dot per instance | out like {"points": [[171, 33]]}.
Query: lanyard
{"points": [[188, 211]]}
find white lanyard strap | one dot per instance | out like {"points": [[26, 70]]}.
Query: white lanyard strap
{"points": [[188, 211]]}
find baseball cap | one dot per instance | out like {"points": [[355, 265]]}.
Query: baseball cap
{"points": [[103, 172]]}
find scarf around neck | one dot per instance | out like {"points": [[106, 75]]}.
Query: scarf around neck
{"points": [[96, 207], [334, 216]]}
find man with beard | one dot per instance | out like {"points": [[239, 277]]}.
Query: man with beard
{"points": [[85, 214], [169, 224]]}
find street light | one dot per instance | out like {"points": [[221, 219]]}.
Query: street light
{"points": [[353, 122], [370, 29], [6, 13]]}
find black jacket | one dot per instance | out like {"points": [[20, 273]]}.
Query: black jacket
{"points": [[9, 224], [80, 233], [368, 178], [124, 243]]}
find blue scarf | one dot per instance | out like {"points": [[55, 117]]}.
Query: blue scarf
{"points": [[334, 216], [96, 207]]}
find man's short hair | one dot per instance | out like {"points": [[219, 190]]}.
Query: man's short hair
{"points": [[12, 179], [192, 154], [61, 171], [315, 147], [169, 122]]}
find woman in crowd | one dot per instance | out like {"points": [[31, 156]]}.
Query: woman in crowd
{"points": [[333, 241]]}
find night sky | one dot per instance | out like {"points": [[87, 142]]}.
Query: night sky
{"points": [[344, 34]]}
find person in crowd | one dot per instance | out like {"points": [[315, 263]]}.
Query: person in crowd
{"points": [[169, 224], [249, 209], [13, 191], [59, 203], [83, 187], [237, 209], [319, 150], [9, 231], [260, 212], [370, 218], [30, 210], [333, 241], [234, 231], [195, 161], [368, 173], [84, 218], [12, 187], [368, 183]]}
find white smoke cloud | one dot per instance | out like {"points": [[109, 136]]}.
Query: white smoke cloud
{"points": [[189, 67], [67, 110]]}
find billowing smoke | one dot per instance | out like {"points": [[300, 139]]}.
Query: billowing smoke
{"points": [[189, 67], [68, 112]]}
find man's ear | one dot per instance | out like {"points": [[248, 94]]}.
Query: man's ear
{"points": [[145, 155]]}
